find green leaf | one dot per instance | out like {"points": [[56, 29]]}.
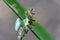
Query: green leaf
{"points": [[37, 29]]}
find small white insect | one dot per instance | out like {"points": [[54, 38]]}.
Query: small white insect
{"points": [[22, 26]]}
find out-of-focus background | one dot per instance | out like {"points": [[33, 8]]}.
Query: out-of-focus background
{"points": [[47, 13]]}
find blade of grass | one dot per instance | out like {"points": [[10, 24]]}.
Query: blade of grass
{"points": [[37, 29]]}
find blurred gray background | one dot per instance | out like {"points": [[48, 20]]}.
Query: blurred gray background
{"points": [[47, 13]]}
